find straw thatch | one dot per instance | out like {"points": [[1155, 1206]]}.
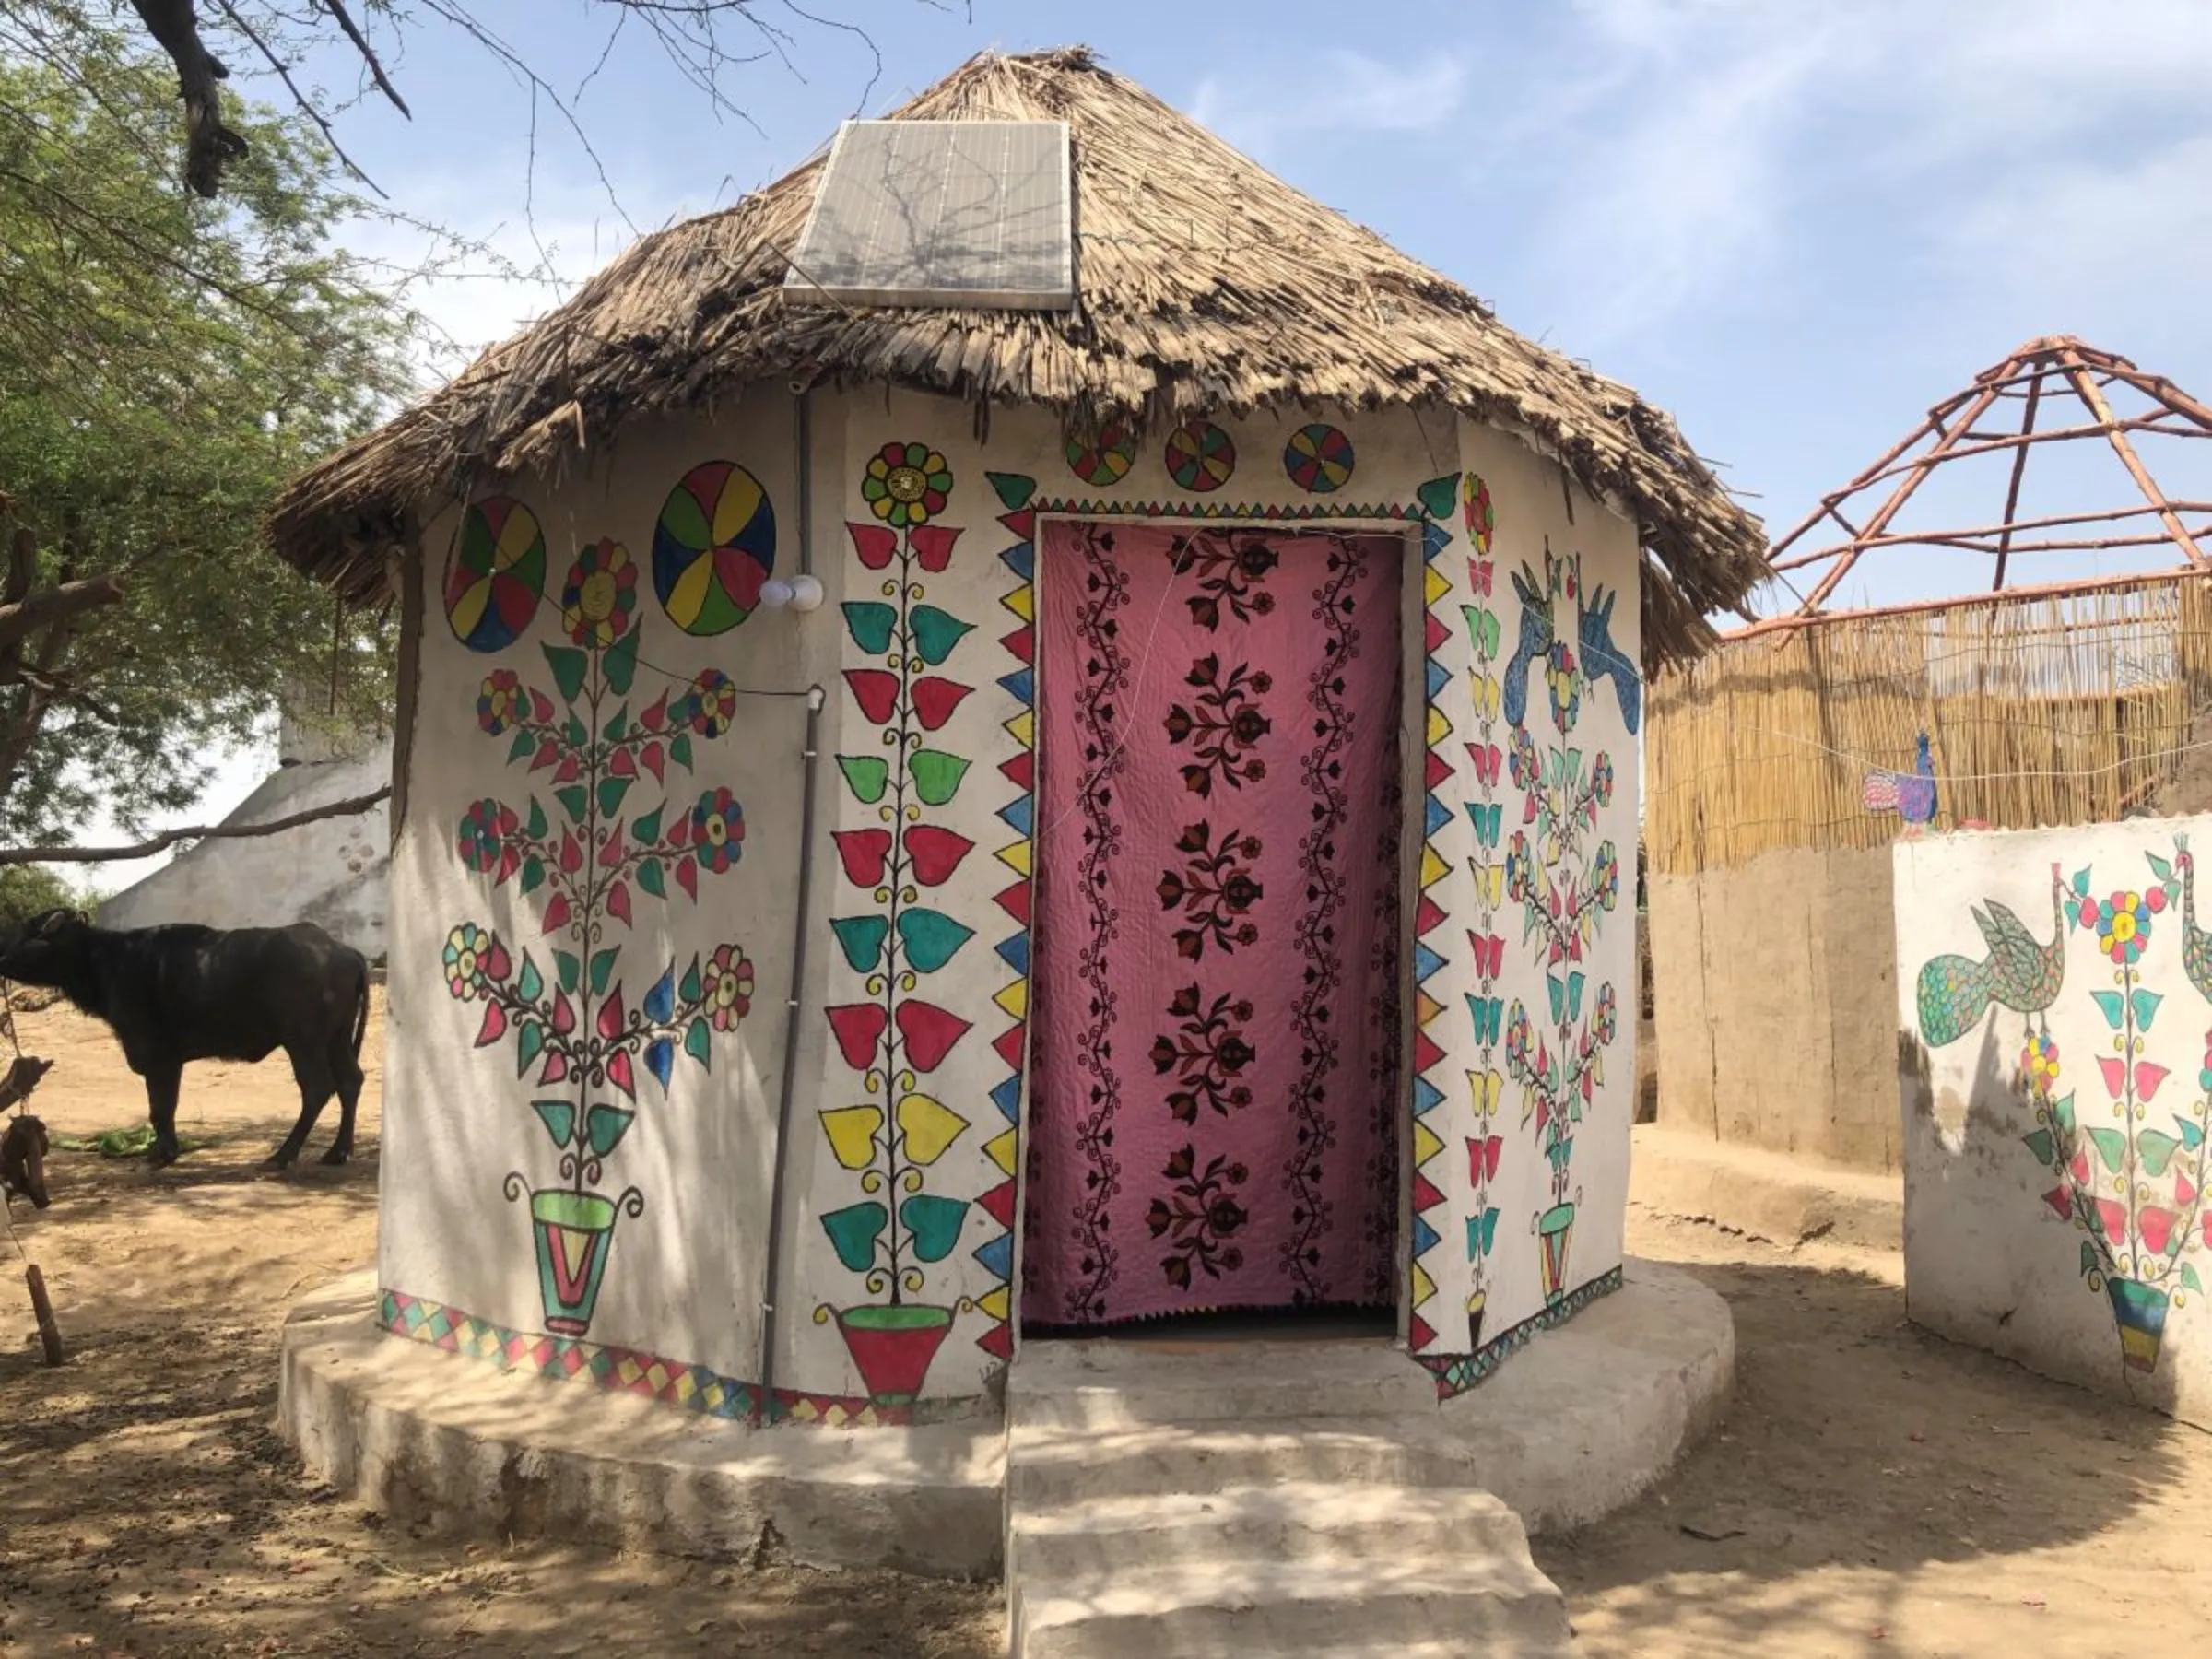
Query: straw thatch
{"points": [[1208, 286], [2041, 709]]}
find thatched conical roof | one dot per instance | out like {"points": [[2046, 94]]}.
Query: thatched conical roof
{"points": [[1208, 287]]}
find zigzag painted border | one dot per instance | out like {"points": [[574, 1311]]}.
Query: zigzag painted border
{"points": [[1456, 1373], [1436, 498], [1222, 509], [620, 1369], [996, 1254]]}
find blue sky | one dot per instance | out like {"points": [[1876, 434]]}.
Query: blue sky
{"points": [[1793, 225]]}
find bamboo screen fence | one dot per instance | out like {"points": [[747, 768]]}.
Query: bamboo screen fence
{"points": [[2041, 709]]}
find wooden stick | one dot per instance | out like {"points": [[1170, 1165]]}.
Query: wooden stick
{"points": [[50, 1334], [2116, 431], [2057, 521], [170, 838], [2054, 590]]}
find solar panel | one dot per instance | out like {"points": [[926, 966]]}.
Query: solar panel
{"points": [[953, 213]]}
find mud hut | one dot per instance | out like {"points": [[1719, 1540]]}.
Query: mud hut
{"points": [[929, 817]]}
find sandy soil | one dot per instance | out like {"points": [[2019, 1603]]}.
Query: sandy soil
{"points": [[1873, 1491]]}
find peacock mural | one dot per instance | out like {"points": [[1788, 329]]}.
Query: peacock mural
{"points": [[1911, 796], [2019, 972]]}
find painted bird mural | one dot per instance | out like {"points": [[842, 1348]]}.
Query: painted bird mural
{"points": [[2019, 973], [1911, 796], [1535, 640], [2196, 942], [1603, 659]]}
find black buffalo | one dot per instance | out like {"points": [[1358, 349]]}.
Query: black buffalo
{"points": [[183, 992]]}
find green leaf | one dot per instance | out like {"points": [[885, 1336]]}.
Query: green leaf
{"points": [[621, 663], [2081, 883], [2063, 1112], [529, 1043], [575, 733], [2039, 1143], [534, 875], [2089, 1258], [532, 985], [866, 775], [521, 749], [559, 1119], [571, 801], [2190, 1282], [652, 878], [570, 967], [612, 731], [648, 829], [680, 749], [568, 667], [537, 826], [688, 991], [2193, 1134], [2159, 868], [937, 775], [602, 968], [699, 1042], [2155, 1151], [603, 1127], [611, 791], [2111, 1149]]}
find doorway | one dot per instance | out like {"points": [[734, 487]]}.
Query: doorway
{"points": [[1214, 1100]]}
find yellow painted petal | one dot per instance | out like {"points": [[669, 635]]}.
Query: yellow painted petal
{"points": [[689, 592], [929, 1127], [1015, 1000], [469, 609], [1001, 1152], [516, 537], [1424, 1287], [1015, 857], [1022, 602], [852, 1132], [996, 1304], [1425, 1145]]}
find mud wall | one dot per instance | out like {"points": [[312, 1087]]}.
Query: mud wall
{"points": [[1774, 1006], [2052, 1005]]}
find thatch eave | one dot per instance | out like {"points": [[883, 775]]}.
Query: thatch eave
{"points": [[1324, 314]]}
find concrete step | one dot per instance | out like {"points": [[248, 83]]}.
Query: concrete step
{"points": [[1293, 1521], [1202, 1607], [1109, 1383], [1053, 1467]]}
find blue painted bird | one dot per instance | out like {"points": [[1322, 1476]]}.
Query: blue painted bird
{"points": [[1911, 796]]}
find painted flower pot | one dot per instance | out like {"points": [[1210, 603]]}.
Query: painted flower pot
{"points": [[892, 1347], [1555, 1228], [575, 1232], [2140, 1313]]}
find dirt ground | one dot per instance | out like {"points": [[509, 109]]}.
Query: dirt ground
{"points": [[1873, 1490]]}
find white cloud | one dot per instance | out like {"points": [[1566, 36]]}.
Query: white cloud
{"points": [[1261, 110], [1702, 137]]}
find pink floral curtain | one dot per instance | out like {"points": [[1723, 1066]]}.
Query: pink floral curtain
{"points": [[1215, 1089]]}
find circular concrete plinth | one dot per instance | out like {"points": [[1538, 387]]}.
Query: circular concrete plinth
{"points": [[1576, 1424], [466, 1448]]}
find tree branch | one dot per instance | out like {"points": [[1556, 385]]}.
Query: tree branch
{"points": [[284, 73], [26, 616], [170, 838], [210, 146], [360, 44]]}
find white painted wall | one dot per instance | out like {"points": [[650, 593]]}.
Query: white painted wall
{"points": [[1989, 1259], [685, 1276], [331, 872]]}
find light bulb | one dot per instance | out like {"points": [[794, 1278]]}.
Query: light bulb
{"points": [[775, 592], [806, 592]]}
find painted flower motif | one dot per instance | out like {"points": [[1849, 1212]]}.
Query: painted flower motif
{"points": [[718, 830], [725, 988], [2038, 1063], [599, 594], [711, 703], [486, 829], [2121, 925], [1482, 518], [1565, 685], [502, 704], [907, 484], [1605, 1024], [466, 949], [1601, 780], [1520, 870]]}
